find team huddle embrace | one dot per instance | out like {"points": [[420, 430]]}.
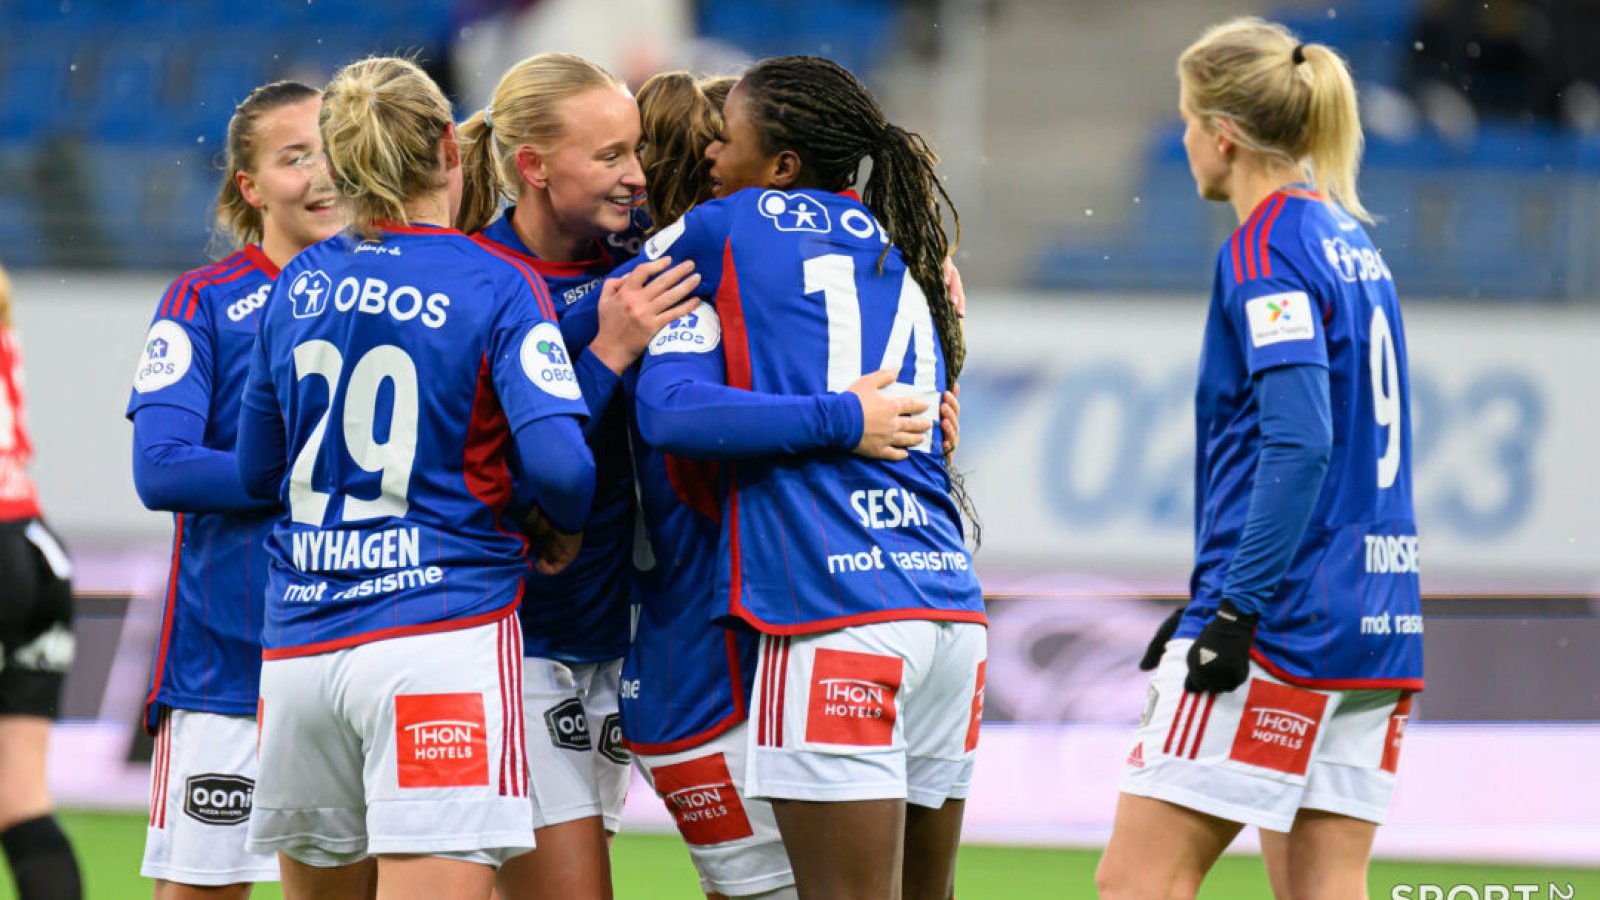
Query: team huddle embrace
{"points": [[600, 431]]}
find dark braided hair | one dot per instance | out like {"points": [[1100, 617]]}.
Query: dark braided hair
{"points": [[816, 109], [827, 117]]}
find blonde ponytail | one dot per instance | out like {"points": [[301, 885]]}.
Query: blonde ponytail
{"points": [[523, 111], [382, 120], [1295, 102]]}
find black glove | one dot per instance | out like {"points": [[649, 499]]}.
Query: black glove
{"points": [[1219, 660], [1158, 644]]}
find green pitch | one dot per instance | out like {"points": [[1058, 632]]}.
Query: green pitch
{"points": [[656, 867]]}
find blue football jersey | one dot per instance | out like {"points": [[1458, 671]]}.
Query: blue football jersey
{"points": [[401, 367], [581, 614], [1301, 284], [686, 679], [820, 542], [195, 358]]}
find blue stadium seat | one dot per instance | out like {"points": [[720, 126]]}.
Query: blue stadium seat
{"points": [[132, 102]]}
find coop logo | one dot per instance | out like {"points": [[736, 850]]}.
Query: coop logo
{"points": [[611, 740], [308, 294], [249, 303], [218, 799], [853, 698], [545, 362], [703, 801], [166, 358], [568, 725], [696, 331], [1543, 891], [1354, 263], [1279, 727], [441, 740], [795, 212]]}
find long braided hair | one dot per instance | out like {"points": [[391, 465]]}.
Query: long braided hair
{"points": [[815, 108]]}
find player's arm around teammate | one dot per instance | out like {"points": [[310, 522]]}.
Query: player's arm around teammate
{"points": [[1273, 705], [37, 644], [391, 722], [276, 199], [560, 137]]}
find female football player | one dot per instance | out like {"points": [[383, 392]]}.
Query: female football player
{"points": [[276, 199], [36, 634], [867, 690], [560, 138], [1275, 704], [391, 721]]}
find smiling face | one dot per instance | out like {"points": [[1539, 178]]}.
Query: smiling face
{"points": [[593, 174], [288, 179], [737, 159], [1208, 161]]}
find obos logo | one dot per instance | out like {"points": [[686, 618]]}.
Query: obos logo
{"points": [[568, 725], [1354, 264], [794, 212], [248, 304], [166, 357], [698, 331], [218, 799], [544, 361], [308, 294]]}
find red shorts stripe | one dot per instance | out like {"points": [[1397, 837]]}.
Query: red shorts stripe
{"points": [[1211, 700], [1176, 717], [1188, 722], [783, 691], [505, 707], [519, 737]]}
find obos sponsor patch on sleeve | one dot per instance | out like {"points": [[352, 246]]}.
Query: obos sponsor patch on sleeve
{"points": [[545, 362], [167, 355], [663, 239], [696, 331], [1280, 317]]}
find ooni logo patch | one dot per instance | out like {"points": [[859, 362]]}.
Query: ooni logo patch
{"points": [[698, 331], [218, 799], [166, 358], [545, 362], [568, 725]]}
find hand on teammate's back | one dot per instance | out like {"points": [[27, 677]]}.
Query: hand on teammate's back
{"points": [[1219, 659], [889, 424], [1158, 642], [635, 307], [950, 418], [553, 550]]}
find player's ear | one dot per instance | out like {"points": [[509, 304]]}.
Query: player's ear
{"points": [[248, 189], [530, 166], [1224, 136], [785, 169], [451, 147]]}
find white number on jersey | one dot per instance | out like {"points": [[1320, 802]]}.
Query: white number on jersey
{"points": [[834, 277], [393, 457], [1385, 395]]}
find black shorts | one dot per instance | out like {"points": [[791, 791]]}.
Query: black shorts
{"points": [[35, 619]]}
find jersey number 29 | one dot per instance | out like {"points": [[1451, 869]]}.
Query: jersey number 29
{"points": [[393, 457]]}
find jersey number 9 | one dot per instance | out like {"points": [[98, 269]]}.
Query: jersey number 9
{"points": [[1385, 395]]}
